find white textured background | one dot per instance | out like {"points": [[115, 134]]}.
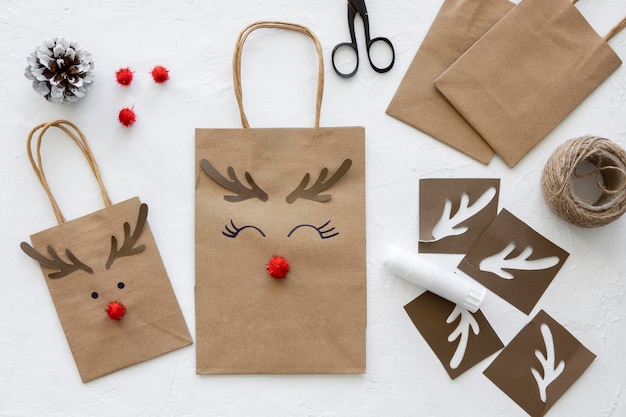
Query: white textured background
{"points": [[154, 159]]}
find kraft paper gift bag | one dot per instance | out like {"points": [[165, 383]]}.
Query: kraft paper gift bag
{"points": [[280, 244], [418, 103], [527, 73], [106, 278]]}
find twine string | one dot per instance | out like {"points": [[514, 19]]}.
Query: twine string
{"points": [[610, 170], [599, 173], [616, 29], [237, 64], [36, 161]]}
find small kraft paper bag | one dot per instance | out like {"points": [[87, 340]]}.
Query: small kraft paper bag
{"points": [[106, 277], [418, 103], [527, 73], [280, 244]]}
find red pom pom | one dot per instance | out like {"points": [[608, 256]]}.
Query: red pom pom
{"points": [[124, 76], [115, 310], [278, 267], [160, 74], [127, 117]]}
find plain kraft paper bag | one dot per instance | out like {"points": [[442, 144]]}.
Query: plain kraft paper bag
{"points": [[418, 103], [527, 73], [110, 289], [294, 194]]}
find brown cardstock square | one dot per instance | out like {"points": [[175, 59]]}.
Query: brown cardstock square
{"points": [[518, 368], [439, 321], [470, 193], [524, 285]]}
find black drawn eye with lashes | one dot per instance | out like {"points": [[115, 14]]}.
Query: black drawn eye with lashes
{"points": [[324, 231], [231, 231]]}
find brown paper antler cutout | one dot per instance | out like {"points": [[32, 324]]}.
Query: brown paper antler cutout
{"points": [[313, 192], [234, 185], [63, 268], [127, 248]]}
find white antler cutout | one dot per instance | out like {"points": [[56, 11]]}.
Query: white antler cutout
{"points": [[498, 263], [462, 332], [449, 225], [548, 362]]}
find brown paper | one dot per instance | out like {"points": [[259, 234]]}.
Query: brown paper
{"points": [[539, 365], [153, 323], [460, 339], [418, 103], [514, 261], [528, 72], [457, 211], [295, 194], [313, 320]]}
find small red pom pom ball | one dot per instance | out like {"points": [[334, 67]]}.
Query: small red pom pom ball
{"points": [[160, 74], [127, 117], [278, 267], [115, 310], [124, 76]]}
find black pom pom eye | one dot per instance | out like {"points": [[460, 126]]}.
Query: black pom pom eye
{"points": [[94, 295], [120, 285]]}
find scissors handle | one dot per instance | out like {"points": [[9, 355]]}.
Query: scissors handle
{"points": [[353, 47], [393, 54]]}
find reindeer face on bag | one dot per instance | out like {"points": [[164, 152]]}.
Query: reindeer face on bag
{"points": [[280, 250], [282, 222], [103, 284]]}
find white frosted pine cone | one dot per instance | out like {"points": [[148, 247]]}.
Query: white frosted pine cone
{"points": [[61, 71]]}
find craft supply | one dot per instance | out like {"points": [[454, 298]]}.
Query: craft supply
{"points": [[115, 310], [458, 25], [460, 339], [61, 70], [557, 181], [278, 267], [454, 212], [124, 76], [514, 261], [539, 365], [358, 7], [522, 78], [160, 74], [455, 288], [127, 116]]}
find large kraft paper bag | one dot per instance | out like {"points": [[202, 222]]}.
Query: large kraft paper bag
{"points": [[110, 289], [265, 198], [418, 103], [526, 74]]}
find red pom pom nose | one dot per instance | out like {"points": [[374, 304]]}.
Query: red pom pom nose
{"points": [[115, 310], [278, 267]]}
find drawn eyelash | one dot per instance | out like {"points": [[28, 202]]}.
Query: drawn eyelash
{"points": [[324, 232], [231, 231]]}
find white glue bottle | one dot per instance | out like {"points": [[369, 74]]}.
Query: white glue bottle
{"points": [[457, 289]]}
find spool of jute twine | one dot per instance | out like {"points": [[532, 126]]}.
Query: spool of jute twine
{"points": [[610, 176]]}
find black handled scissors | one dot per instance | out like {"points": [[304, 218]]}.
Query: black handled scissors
{"points": [[354, 7]]}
